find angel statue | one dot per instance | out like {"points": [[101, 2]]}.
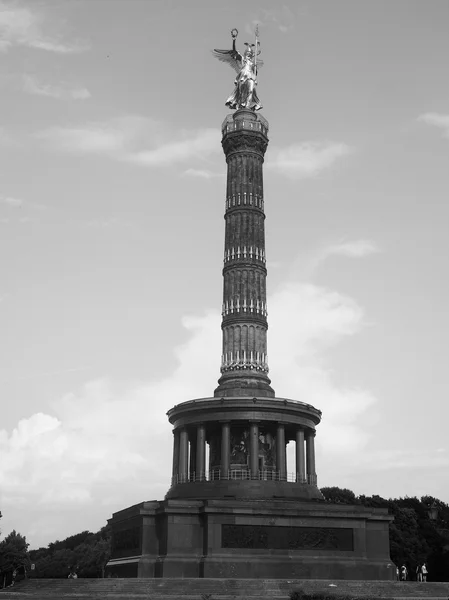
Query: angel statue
{"points": [[244, 94]]}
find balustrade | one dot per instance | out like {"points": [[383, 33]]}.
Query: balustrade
{"points": [[238, 475]]}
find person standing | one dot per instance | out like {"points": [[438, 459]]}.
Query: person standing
{"points": [[403, 573], [419, 573], [424, 572]]}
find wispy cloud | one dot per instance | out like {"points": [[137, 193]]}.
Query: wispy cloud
{"points": [[346, 248], [108, 222], [307, 159], [23, 26], [351, 249], [110, 139], [15, 220], [282, 17], [424, 458], [202, 173], [437, 120], [64, 92], [7, 139], [43, 374], [196, 144], [19, 203], [10, 201], [134, 140]]}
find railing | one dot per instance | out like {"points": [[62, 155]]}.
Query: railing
{"points": [[242, 475], [257, 124]]}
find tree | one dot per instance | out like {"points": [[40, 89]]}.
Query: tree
{"points": [[415, 536], [13, 552], [86, 553], [339, 495]]}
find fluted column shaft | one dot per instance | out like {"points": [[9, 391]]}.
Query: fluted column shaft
{"points": [[200, 452], [175, 453], [192, 458], [254, 449], [281, 456], [183, 454], [225, 449], [310, 449], [300, 456]]}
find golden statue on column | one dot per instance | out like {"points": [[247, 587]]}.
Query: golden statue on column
{"points": [[246, 67]]}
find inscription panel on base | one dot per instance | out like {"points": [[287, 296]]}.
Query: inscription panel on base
{"points": [[265, 537]]}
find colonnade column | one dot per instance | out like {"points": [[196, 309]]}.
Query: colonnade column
{"points": [[225, 449], [300, 457], [281, 455], [175, 455], [183, 455], [200, 452], [310, 449], [254, 450], [192, 460]]}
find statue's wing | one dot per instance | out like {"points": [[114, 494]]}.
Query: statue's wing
{"points": [[231, 57]]}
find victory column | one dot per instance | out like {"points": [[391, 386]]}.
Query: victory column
{"points": [[235, 508]]}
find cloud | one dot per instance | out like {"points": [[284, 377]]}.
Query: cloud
{"points": [[109, 139], [10, 201], [64, 92], [354, 249], [16, 221], [360, 248], [307, 159], [13, 202], [6, 139], [134, 140], [317, 319], [425, 458], [108, 445], [437, 120], [108, 222], [282, 17], [21, 26], [197, 145], [202, 173]]}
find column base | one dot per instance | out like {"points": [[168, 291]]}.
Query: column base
{"points": [[244, 383]]}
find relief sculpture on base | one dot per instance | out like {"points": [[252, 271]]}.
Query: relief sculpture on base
{"points": [[287, 538]]}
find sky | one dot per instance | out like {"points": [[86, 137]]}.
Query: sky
{"points": [[112, 188]]}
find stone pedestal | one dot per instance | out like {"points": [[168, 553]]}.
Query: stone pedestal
{"points": [[271, 539]]}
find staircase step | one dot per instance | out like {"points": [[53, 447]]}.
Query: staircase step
{"points": [[219, 589]]}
